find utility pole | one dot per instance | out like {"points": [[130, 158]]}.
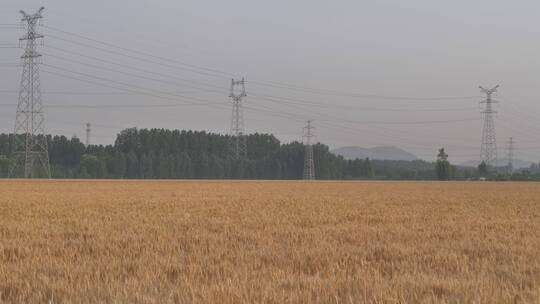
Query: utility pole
{"points": [[510, 166], [30, 143], [488, 150], [309, 164], [88, 130], [238, 138]]}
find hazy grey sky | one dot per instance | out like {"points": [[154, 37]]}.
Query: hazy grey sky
{"points": [[422, 50]]}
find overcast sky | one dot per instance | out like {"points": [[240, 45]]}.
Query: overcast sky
{"points": [[369, 73]]}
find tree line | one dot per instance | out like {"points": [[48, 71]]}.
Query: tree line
{"points": [[174, 154]]}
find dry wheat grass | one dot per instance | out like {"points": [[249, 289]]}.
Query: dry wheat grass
{"points": [[268, 242]]}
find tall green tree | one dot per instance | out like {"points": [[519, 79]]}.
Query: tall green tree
{"points": [[90, 166], [4, 164], [368, 169], [118, 165], [483, 169], [443, 168], [147, 166]]}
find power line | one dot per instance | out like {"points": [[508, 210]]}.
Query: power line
{"points": [[123, 106], [262, 96], [161, 81], [389, 122], [224, 74], [131, 88], [359, 95], [219, 73], [78, 124], [291, 116], [287, 100], [332, 118], [510, 126], [129, 67], [520, 122], [381, 122], [355, 131], [287, 116], [169, 65], [523, 116], [92, 93]]}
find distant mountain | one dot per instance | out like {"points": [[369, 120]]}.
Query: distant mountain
{"points": [[518, 163], [380, 153]]}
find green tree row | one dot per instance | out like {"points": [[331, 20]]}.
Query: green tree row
{"points": [[174, 154]]}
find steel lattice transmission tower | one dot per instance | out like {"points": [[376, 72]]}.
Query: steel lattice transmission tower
{"points": [[309, 164], [88, 130], [511, 148], [238, 138], [488, 150], [30, 143]]}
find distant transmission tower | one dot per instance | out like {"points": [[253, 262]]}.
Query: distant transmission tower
{"points": [[309, 164], [238, 138], [88, 130], [30, 143], [511, 148], [488, 151]]}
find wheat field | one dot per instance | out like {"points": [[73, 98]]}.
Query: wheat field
{"points": [[66, 241]]}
